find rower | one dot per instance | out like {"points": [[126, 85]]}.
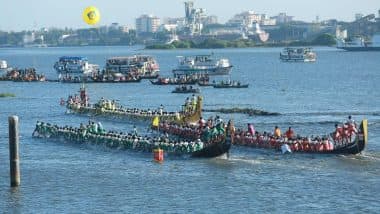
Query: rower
{"points": [[277, 132], [251, 129], [289, 133]]}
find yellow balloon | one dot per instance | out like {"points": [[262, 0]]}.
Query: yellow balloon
{"points": [[91, 15]]}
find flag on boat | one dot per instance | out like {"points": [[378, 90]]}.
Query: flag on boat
{"points": [[156, 121]]}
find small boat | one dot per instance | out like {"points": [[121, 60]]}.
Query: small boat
{"points": [[202, 64], [4, 66], [95, 134], [230, 84], [174, 81], [298, 55], [354, 144], [190, 113], [205, 83], [23, 75], [186, 90]]}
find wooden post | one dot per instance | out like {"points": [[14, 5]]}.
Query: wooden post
{"points": [[13, 151]]}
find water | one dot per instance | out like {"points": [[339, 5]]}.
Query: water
{"points": [[311, 98]]}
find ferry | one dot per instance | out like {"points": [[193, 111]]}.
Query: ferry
{"points": [[360, 44], [75, 67], [202, 64], [298, 55], [144, 66]]}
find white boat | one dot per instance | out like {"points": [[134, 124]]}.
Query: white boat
{"points": [[298, 55], [202, 64], [3, 66], [360, 44], [75, 67], [143, 66]]}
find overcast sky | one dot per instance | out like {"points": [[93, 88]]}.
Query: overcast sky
{"points": [[18, 15]]}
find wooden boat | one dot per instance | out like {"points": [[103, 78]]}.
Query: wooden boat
{"points": [[106, 108], [94, 134], [186, 90], [230, 85], [353, 145], [205, 83]]}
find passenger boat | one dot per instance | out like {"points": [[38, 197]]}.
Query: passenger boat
{"points": [[143, 66], [298, 55], [186, 90], [202, 64], [95, 134], [360, 44], [75, 68], [354, 144], [230, 84], [191, 112]]}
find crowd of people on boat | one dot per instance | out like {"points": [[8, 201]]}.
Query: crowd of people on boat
{"points": [[25, 75], [95, 134], [342, 136], [210, 131]]}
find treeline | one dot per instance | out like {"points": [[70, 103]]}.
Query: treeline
{"points": [[321, 40]]}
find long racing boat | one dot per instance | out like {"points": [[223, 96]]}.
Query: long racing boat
{"points": [[348, 142], [95, 134], [190, 113]]}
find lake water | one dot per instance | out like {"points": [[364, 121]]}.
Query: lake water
{"points": [[311, 97]]}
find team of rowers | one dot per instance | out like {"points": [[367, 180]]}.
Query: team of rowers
{"points": [[250, 137], [95, 134], [110, 106]]}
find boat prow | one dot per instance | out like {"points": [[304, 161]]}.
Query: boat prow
{"points": [[214, 150]]}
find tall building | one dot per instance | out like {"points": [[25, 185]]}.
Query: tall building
{"points": [[193, 18], [250, 18], [147, 24]]}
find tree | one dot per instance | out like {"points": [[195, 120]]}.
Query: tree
{"points": [[324, 40]]}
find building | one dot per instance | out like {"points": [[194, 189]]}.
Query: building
{"points": [[147, 24], [249, 18], [358, 16], [210, 20], [282, 18], [193, 18]]}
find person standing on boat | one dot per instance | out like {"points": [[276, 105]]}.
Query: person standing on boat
{"points": [[289, 133], [135, 131], [277, 132], [251, 129]]}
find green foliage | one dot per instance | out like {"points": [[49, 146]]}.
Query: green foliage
{"points": [[324, 40], [7, 95]]}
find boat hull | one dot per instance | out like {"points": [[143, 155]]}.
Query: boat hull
{"points": [[358, 49], [210, 71], [213, 150], [352, 148], [231, 86]]}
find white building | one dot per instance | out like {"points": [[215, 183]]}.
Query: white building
{"points": [[147, 24], [249, 18], [282, 18]]}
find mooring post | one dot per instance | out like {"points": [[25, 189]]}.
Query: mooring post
{"points": [[13, 151]]}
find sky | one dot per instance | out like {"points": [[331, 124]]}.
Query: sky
{"points": [[17, 15]]}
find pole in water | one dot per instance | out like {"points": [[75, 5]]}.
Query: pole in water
{"points": [[13, 151]]}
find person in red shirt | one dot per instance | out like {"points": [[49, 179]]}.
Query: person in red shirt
{"points": [[290, 133]]}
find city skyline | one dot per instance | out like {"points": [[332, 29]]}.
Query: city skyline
{"points": [[32, 15]]}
